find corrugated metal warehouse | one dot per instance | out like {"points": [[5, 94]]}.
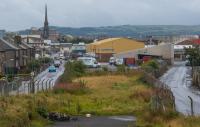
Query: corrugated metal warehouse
{"points": [[104, 49]]}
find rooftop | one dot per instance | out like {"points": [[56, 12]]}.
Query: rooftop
{"points": [[109, 40], [190, 42], [4, 45]]}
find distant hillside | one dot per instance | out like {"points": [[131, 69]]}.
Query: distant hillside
{"points": [[128, 30]]}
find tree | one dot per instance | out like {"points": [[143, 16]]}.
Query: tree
{"points": [[193, 56]]}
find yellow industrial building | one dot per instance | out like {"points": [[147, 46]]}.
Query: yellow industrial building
{"points": [[104, 49]]}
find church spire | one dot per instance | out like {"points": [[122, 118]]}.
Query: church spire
{"points": [[46, 17], [46, 25]]}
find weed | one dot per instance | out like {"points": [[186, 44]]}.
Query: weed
{"points": [[42, 111]]}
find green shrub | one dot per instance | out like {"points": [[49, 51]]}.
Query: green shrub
{"points": [[139, 62], [73, 70], [45, 60], [42, 111], [150, 66], [34, 64]]}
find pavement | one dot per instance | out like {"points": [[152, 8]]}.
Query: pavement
{"points": [[113, 121], [178, 78]]}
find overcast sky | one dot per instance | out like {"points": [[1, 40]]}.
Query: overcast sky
{"points": [[22, 14]]}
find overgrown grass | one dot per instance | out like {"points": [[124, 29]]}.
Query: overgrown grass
{"points": [[107, 95]]}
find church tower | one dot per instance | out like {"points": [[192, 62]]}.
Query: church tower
{"points": [[46, 25]]}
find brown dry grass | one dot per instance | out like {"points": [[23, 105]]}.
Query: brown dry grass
{"points": [[103, 81]]}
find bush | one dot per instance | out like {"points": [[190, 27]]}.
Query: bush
{"points": [[79, 68], [73, 70], [150, 66], [34, 64], [45, 60], [42, 112], [139, 62]]}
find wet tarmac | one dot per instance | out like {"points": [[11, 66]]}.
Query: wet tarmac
{"points": [[114, 121], [178, 78]]}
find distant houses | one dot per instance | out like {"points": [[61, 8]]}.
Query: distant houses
{"points": [[179, 48]]}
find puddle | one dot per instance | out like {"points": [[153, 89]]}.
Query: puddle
{"points": [[123, 118]]}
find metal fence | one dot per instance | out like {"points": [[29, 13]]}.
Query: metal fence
{"points": [[25, 87], [163, 96]]}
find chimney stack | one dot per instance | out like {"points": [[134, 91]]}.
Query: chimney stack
{"points": [[18, 39]]}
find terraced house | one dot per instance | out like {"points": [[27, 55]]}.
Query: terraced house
{"points": [[14, 55], [9, 54]]}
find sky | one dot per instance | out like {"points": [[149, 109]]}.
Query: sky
{"points": [[23, 14]]}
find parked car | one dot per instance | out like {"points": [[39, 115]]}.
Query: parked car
{"points": [[57, 63], [112, 61], [62, 56], [119, 61], [52, 69], [89, 62], [116, 61]]}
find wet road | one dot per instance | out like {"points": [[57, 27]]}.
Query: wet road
{"points": [[115, 121], [178, 78], [43, 81]]}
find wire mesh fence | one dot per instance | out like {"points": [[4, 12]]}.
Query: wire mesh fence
{"points": [[25, 86], [163, 97]]}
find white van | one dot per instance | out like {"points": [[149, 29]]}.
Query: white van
{"points": [[89, 62]]}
